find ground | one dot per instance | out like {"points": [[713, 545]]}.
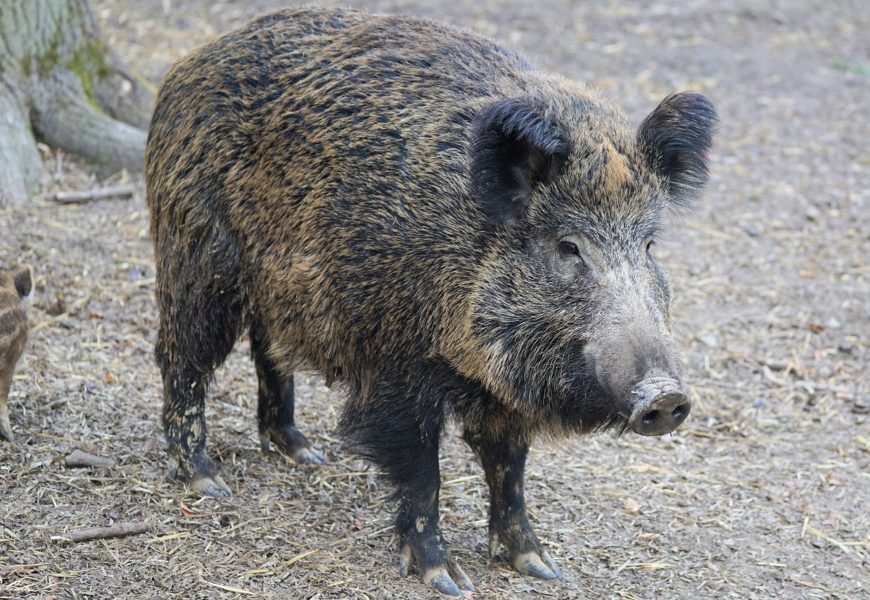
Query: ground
{"points": [[763, 493]]}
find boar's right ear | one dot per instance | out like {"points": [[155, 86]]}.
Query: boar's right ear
{"points": [[22, 280], [676, 138], [514, 147]]}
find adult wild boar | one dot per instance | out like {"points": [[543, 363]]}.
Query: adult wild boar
{"points": [[415, 211]]}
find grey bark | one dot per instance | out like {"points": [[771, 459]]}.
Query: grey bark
{"points": [[61, 84], [63, 117], [20, 164]]}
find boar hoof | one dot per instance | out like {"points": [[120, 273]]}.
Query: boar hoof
{"points": [[5, 428], [440, 579], [309, 456], [290, 441], [447, 577], [536, 565], [524, 551], [211, 486]]}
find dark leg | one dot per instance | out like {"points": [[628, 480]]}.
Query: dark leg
{"points": [[275, 398], [420, 538], [200, 309], [397, 425], [184, 426], [504, 463]]}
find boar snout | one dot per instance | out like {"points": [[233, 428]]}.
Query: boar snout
{"points": [[659, 407]]}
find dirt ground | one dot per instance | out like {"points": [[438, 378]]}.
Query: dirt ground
{"points": [[763, 493]]}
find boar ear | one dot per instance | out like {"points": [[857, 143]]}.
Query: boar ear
{"points": [[676, 138], [514, 147], [21, 279]]}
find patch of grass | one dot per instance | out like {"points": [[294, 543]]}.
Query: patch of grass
{"points": [[851, 67]]}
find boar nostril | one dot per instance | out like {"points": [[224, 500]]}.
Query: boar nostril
{"points": [[650, 417], [679, 412]]}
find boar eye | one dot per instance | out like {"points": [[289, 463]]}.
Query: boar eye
{"points": [[567, 248], [650, 244]]}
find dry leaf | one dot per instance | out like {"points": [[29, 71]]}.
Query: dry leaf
{"points": [[816, 327]]}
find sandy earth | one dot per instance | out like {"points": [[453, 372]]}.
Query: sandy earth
{"points": [[764, 493]]}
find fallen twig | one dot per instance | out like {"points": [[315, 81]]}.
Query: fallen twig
{"points": [[24, 568], [111, 191], [99, 533], [229, 588], [83, 459]]}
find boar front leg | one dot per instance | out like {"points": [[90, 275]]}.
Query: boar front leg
{"points": [[5, 383], [504, 462], [397, 423], [420, 537]]}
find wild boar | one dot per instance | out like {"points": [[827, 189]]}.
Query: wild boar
{"points": [[417, 212], [15, 285]]}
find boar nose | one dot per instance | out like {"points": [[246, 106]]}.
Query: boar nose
{"points": [[660, 406]]}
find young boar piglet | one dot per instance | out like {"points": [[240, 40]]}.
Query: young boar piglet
{"points": [[15, 286]]}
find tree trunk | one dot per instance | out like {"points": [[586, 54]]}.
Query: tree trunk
{"points": [[60, 83]]}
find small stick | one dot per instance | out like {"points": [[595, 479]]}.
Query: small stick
{"points": [[83, 459], [95, 194], [100, 533]]}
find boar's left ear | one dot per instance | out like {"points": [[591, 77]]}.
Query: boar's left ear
{"points": [[676, 138], [514, 148]]}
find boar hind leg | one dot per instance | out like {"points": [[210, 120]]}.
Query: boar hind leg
{"points": [[275, 406], [184, 426], [200, 319], [504, 462]]}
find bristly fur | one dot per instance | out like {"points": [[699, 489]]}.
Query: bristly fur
{"points": [[386, 200], [15, 285]]}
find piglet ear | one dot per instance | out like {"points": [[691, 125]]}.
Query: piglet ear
{"points": [[514, 148], [676, 138], [22, 281]]}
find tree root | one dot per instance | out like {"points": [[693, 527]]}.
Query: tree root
{"points": [[124, 96], [63, 117]]}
